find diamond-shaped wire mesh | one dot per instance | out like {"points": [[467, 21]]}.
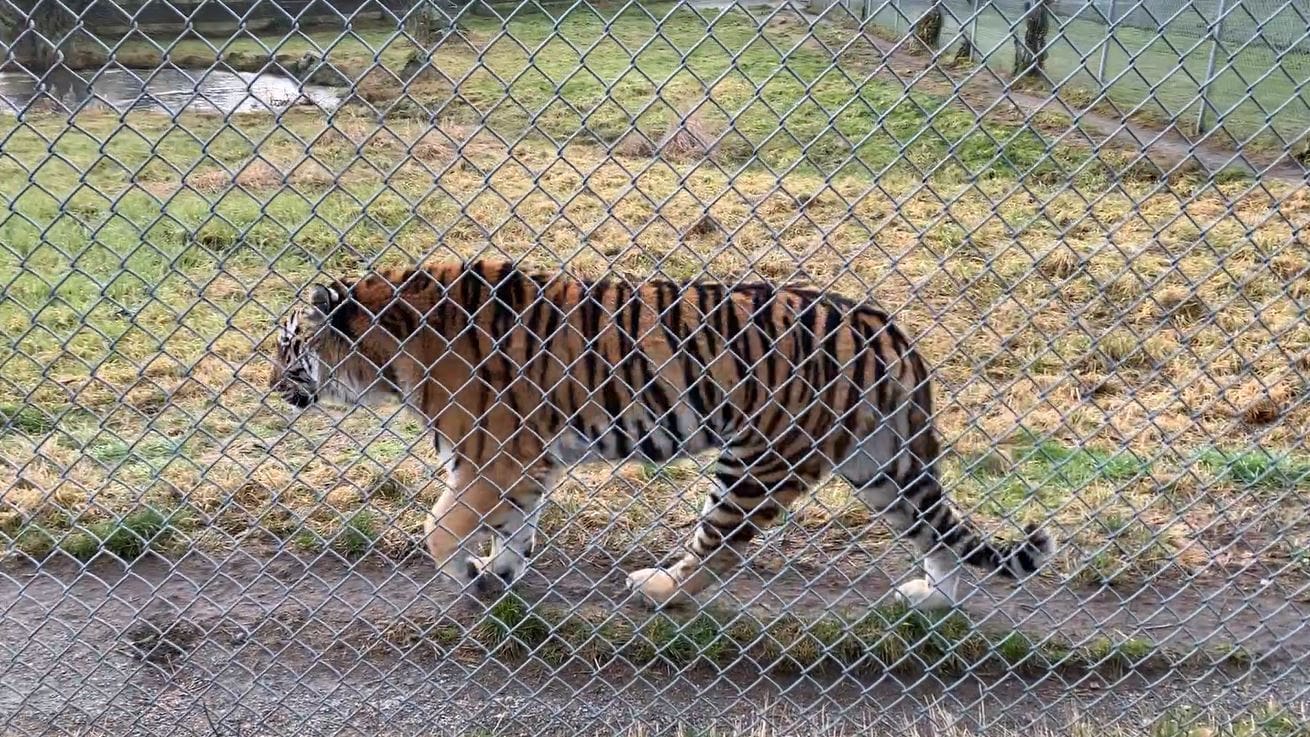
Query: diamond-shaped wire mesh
{"points": [[883, 367]]}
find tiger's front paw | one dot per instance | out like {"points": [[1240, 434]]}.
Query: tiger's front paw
{"points": [[497, 573], [657, 586], [921, 595], [460, 594]]}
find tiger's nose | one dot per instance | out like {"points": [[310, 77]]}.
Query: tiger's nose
{"points": [[298, 399]]}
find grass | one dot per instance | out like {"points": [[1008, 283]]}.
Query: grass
{"points": [[1270, 719], [1266, 720], [878, 641], [128, 537], [356, 536], [646, 71], [1126, 543], [1097, 336], [1157, 75], [27, 420], [1260, 469]]}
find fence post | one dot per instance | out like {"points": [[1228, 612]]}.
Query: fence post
{"points": [[1105, 49], [968, 50], [1216, 32]]}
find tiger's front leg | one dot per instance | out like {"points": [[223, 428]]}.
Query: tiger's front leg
{"points": [[504, 498], [514, 531]]}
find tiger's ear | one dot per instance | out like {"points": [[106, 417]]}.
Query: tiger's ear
{"points": [[324, 299]]}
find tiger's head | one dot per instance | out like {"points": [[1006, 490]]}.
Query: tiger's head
{"points": [[297, 367], [339, 346]]}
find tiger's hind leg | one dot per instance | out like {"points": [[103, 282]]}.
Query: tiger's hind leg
{"points": [[937, 588], [917, 507], [742, 505]]}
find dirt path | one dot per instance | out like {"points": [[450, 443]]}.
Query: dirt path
{"points": [[1167, 149], [271, 644], [983, 90]]}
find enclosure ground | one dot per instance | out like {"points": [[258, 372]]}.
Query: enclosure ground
{"points": [[1119, 354], [1156, 77], [259, 644], [1069, 114], [1120, 351]]}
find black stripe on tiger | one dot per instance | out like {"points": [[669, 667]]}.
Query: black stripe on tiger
{"points": [[789, 384]]}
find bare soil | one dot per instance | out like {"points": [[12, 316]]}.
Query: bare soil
{"points": [[256, 643]]}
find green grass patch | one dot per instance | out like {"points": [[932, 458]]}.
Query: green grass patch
{"points": [[1044, 469], [1259, 468], [892, 638], [1075, 467], [15, 417], [128, 536], [356, 535]]}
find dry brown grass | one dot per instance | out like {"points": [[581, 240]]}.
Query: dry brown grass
{"points": [[634, 145], [260, 175], [692, 137], [938, 719], [1140, 322], [337, 156]]}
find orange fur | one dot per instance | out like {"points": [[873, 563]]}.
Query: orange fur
{"points": [[521, 374]]}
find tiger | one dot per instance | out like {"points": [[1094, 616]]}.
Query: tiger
{"points": [[522, 374]]}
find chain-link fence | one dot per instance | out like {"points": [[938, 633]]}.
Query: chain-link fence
{"points": [[1111, 314], [1237, 67]]}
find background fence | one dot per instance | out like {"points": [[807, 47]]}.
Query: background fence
{"points": [[1117, 326], [1242, 65]]}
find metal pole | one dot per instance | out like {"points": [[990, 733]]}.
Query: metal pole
{"points": [[1105, 49], [1216, 33], [972, 31]]}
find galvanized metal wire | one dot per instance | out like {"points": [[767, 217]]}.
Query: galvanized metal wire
{"points": [[1105, 266]]}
